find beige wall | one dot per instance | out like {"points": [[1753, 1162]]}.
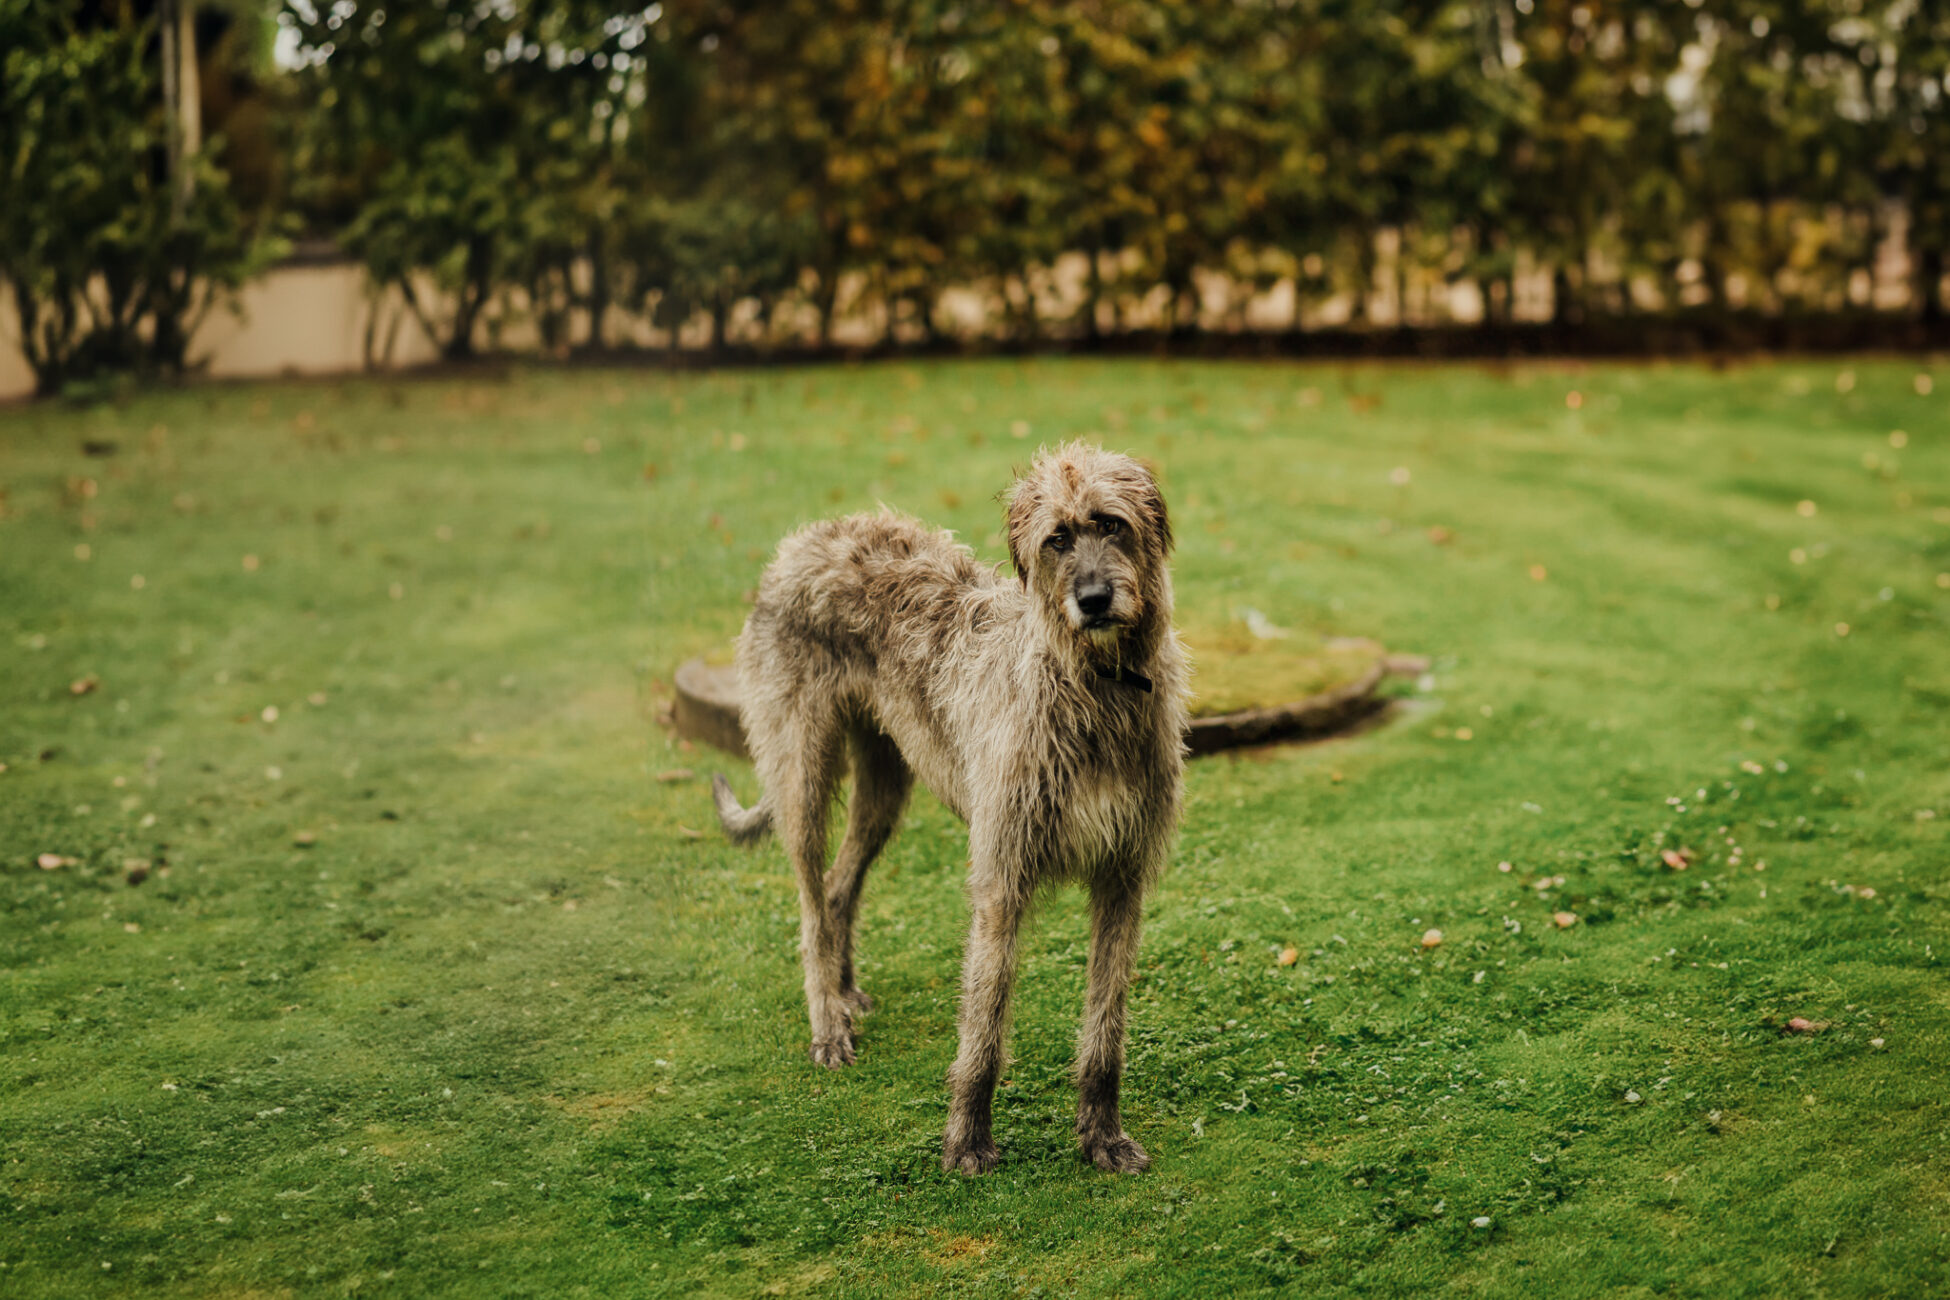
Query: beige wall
{"points": [[301, 319], [16, 380], [312, 319], [307, 320]]}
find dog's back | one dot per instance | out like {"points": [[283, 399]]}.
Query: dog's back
{"points": [[866, 583]]}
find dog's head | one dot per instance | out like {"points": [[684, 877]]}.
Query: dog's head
{"points": [[1089, 535]]}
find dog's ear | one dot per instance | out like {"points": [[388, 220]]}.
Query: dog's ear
{"points": [[1018, 522], [1152, 501]]}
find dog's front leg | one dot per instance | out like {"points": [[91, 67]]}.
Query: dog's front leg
{"points": [[1115, 905], [988, 975]]}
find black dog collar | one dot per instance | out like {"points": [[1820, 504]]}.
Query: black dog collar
{"points": [[1129, 676]]}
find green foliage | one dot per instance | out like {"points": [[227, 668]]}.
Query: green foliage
{"points": [[108, 277], [508, 1025], [538, 162], [694, 156], [470, 153]]}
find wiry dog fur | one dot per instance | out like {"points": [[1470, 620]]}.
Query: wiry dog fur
{"points": [[1047, 710]]}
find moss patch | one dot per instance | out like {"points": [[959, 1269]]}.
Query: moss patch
{"points": [[1234, 669]]}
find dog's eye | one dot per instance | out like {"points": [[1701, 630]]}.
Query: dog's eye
{"points": [[1058, 541], [1109, 525]]}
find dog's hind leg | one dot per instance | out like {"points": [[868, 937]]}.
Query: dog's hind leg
{"points": [[881, 783], [1115, 905], [800, 783]]}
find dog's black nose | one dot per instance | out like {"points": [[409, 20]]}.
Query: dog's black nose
{"points": [[1094, 600]]}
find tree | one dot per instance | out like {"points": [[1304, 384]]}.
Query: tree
{"points": [[473, 146], [111, 264]]}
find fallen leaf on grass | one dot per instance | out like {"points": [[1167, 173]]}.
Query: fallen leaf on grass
{"points": [[1803, 1025], [305, 839], [1677, 859], [690, 834], [50, 862], [1431, 938], [84, 685], [676, 774], [1288, 956], [1565, 920]]}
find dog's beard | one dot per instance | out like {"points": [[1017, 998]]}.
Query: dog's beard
{"points": [[1101, 633]]}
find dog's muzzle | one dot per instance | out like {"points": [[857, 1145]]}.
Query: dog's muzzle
{"points": [[1093, 602]]}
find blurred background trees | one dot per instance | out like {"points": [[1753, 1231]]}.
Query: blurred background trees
{"points": [[119, 227], [730, 171]]}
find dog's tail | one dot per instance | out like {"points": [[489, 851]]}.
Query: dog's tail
{"points": [[741, 825]]}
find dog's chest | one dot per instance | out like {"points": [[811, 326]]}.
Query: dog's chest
{"points": [[1099, 814]]}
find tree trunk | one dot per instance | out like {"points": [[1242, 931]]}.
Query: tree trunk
{"points": [[1929, 284], [598, 291], [929, 326], [474, 296], [460, 342], [182, 99], [1564, 305], [825, 299], [1095, 295]]}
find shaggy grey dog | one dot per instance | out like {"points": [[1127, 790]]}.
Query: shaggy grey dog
{"points": [[1047, 710]]}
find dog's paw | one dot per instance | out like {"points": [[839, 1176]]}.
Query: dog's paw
{"points": [[858, 1001], [1117, 1155], [833, 1053], [971, 1157]]}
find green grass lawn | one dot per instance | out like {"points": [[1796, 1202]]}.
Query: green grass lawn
{"points": [[434, 986]]}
